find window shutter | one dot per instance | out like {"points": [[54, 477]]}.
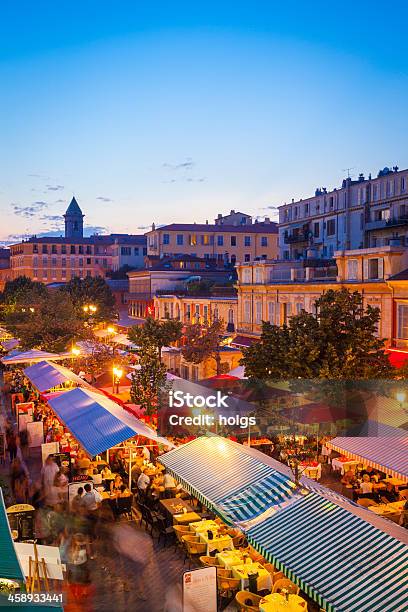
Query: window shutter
{"points": [[365, 269], [380, 267]]}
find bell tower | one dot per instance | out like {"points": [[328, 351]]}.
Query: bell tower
{"points": [[74, 221]]}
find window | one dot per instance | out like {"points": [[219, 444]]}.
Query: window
{"points": [[233, 259], [35, 273], [89, 250], [205, 239], [220, 240], [264, 241], [258, 275], [124, 250], [187, 312], [373, 268], [194, 373], [247, 241], [45, 262], [299, 307], [72, 251], [35, 248], [105, 263], [233, 241], [402, 183], [81, 249], [205, 314], [402, 322], [197, 313], [64, 262], [166, 238], [258, 312], [72, 262], [247, 257], [184, 371], [331, 227], [136, 251], [271, 312], [352, 269], [247, 311], [64, 273], [81, 261], [316, 230], [180, 239], [54, 262], [230, 315], [144, 250], [287, 311], [88, 261], [64, 249], [44, 248], [54, 249], [45, 275], [246, 275], [81, 274]]}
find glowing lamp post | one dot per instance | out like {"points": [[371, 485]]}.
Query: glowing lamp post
{"points": [[117, 374]]}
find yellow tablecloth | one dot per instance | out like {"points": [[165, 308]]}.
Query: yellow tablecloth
{"points": [[264, 580], [188, 517], [275, 602], [204, 526], [388, 509], [217, 543], [229, 558]]}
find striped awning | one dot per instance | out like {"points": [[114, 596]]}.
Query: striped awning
{"points": [[342, 561], [46, 375], [227, 478], [10, 567], [386, 453], [97, 422]]}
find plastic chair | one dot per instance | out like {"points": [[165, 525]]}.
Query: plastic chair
{"points": [[180, 531], [285, 583], [224, 573], [366, 502], [238, 540], [403, 494], [227, 587], [194, 549], [277, 576], [209, 561], [243, 597]]}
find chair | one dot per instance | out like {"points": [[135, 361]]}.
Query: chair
{"points": [[277, 576], [227, 587], [180, 531], [125, 506], [238, 540], [285, 583], [244, 597], [269, 568], [312, 473], [224, 573], [209, 561], [194, 549], [403, 494], [366, 502], [164, 530]]}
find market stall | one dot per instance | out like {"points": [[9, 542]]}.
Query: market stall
{"points": [[45, 376], [386, 453], [31, 356]]}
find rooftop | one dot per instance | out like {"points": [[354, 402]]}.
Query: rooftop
{"points": [[73, 208], [255, 228]]}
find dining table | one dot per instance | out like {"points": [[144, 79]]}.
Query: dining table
{"points": [[263, 581], [185, 518], [175, 505], [218, 541], [204, 525], [277, 602], [312, 469], [342, 464], [230, 558], [392, 510]]}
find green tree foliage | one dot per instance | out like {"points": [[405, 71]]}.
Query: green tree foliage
{"points": [[52, 325], [21, 292], [339, 343], [149, 383], [203, 342], [91, 290], [154, 335]]}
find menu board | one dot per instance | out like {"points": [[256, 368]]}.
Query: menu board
{"points": [[200, 590], [63, 460], [48, 448], [35, 431], [24, 414], [21, 520]]}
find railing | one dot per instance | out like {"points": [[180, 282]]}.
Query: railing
{"points": [[402, 220], [296, 238], [279, 275]]}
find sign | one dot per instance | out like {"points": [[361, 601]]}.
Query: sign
{"points": [[35, 431], [23, 420], [63, 460], [49, 448], [24, 414], [15, 399], [200, 590], [21, 520], [50, 554]]}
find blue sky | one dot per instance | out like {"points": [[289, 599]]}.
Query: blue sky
{"points": [[174, 112]]}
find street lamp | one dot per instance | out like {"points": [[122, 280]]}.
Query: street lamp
{"points": [[91, 308], [75, 351], [117, 374]]}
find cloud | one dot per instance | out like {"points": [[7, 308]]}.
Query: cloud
{"points": [[143, 227], [89, 230], [40, 176], [59, 201], [55, 187], [104, 199], [186, 165], [51, 218], [32, 210]]}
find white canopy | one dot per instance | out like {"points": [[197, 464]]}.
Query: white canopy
{"points": [[239, 372], [31, 356]]}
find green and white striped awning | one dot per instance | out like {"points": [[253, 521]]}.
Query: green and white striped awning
{"points": [[227, 478], [9, 564], [345, 563]]}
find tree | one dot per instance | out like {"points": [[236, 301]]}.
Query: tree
{"points": [[154, 335], [149, 383], [340, 343], [203, 342], [20, 293], [92, 291], [51, 325]]}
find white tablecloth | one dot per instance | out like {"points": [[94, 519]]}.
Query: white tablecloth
{"points": [[343, 466], [264, 580]]}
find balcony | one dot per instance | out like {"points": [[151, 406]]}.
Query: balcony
{"points": [[296, 238], [396, 221], [375, 225]]}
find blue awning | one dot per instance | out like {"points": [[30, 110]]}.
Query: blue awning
{"points": [[227, 478], [45, 376], [341, 560], [9, 565], [97, 422]]}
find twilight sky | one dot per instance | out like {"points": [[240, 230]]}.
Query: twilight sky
{"points": [[169, 111]]}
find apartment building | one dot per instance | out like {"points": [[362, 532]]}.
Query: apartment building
{"points": [[58, 259], [5, 270], [170, 276], [274, 291], [366, 212], [231, 239], [202, 309]]}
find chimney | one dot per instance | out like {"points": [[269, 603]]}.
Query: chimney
{"points": [[267, 220], [153, 227], [206, 221], [232, 212]]}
